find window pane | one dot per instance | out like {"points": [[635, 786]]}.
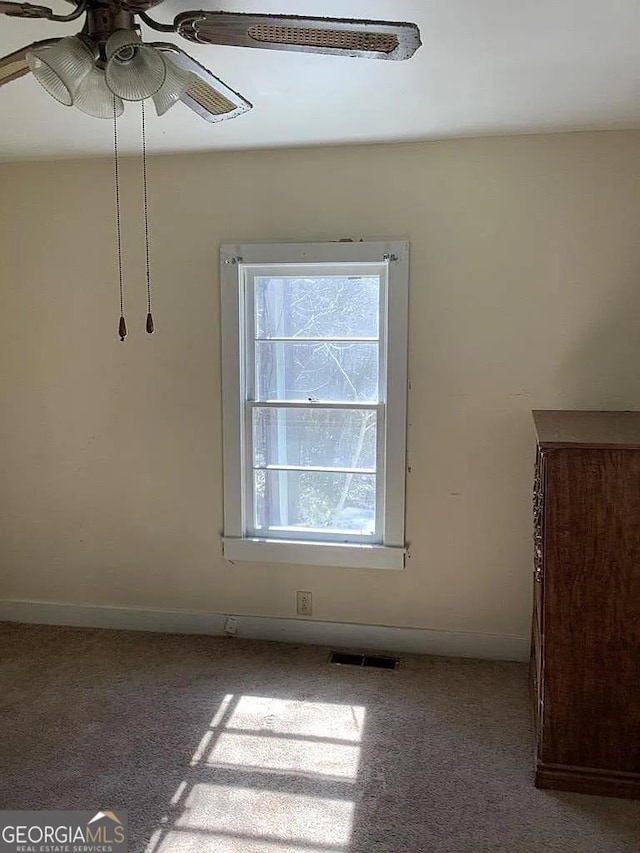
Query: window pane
{"points": [[317, 307], [328, 438], [296, 500], [317, 371]]}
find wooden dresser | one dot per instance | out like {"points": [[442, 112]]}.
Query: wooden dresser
{"points": [[585, 657]]}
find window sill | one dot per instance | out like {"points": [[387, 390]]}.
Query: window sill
{"points": [[352, 556]]}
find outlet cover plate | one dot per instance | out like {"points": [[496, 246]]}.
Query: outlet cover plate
{"points": [[304, 603]]}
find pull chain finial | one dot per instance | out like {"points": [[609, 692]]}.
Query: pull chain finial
{"points": [[122, 326], [149, 323]]}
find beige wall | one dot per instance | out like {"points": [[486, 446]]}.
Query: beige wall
{"points": [[525, 293]]}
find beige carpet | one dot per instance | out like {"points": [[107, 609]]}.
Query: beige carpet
{"points": [[237, 746]]}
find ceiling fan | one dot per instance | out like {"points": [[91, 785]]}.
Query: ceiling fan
{"points": [[107, 63]]}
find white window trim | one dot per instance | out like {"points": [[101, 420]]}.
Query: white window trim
{"points": [[237, 545]]}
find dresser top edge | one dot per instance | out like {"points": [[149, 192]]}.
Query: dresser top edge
{"points": [[588, 428]]}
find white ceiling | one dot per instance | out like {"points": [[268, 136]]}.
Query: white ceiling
{"points": [[485, 67]]}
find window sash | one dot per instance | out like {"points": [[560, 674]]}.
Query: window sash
{"points": [[249, 273], [313, 404], [249, 515]]}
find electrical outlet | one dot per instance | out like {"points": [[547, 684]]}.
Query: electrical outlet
{"points": [[304, 607], [230, 626]]}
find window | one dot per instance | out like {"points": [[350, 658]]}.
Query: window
{"points": [[314, 384]]}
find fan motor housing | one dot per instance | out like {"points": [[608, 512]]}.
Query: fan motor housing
{"points": [[104, 18], [134, 6]]}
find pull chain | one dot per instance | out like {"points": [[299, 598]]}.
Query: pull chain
{"points": [[149, 324], [122, 326]]}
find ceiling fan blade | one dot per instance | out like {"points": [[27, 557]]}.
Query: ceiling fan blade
{"points": [[209, 97], [14, 65], [338, 36], [25, 10]]}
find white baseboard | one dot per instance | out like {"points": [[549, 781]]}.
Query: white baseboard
{"points": [[422, 641]]}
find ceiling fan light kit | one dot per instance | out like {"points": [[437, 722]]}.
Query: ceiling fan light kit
{"points": [[107, 64], [61, 69], [176, 83], [134, 71], [96, 99]]}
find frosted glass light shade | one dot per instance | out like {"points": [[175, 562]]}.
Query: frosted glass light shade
{"points": [[95, 98], [134, 71], [62, 67], [175, 85]]}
